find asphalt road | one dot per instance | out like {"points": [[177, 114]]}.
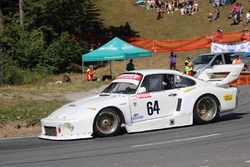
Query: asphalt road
{"points": [[222, 144]]}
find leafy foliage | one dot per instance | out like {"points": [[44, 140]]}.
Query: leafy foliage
{"points": [[9, 73], [61, 54], [46, 41]]}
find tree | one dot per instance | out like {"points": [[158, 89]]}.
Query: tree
{"points": [[57, 16], [1, 18], [21, 14], [46, 36], [62, 54]]}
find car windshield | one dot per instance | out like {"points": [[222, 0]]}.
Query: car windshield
{"points": [[121, 88], [203, 59]]}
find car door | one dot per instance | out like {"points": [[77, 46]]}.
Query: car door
{"points": [[159, 100]]}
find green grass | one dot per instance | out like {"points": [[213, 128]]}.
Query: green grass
{"points": [[172, 26], [26, 110]]}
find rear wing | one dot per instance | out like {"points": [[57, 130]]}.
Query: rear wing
{"points": [[222, 75]]}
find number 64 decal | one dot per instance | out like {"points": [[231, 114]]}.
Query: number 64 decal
{"points": [[152, 107]]}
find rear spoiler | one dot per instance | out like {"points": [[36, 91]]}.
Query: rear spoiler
{"points": [[222, 75]]}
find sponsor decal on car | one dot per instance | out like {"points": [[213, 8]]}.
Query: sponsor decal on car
{"points": [[130, 76], [144, 95], [228, 97], [137, 116], [188, 90], [92, 108]]}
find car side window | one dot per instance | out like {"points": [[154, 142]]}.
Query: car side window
{"points": [[217, 60], [168, 82], [182, 82], [154, 83], [228, 59], [158, 82]]}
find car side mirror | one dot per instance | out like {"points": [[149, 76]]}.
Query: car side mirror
{"points": [[142, 90]]}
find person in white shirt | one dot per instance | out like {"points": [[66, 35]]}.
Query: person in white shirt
{"points": [[247, 18], [195, 7]]}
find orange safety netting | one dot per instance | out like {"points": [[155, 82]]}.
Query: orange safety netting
{"points": [[176, 45], [190, 44], [244, 79]]}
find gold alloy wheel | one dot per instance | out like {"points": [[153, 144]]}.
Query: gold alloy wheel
{"points": [[107, 122], [207, 108]]}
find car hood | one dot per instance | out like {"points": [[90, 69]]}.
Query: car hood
{"points": [[88, 106]]}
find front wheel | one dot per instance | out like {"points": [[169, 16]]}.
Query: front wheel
{"points": [[107, 123], [206, 109]]}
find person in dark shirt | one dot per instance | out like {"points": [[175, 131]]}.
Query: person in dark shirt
{"points": [[130, 65], [172, 60]]}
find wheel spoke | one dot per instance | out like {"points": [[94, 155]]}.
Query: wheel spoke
{"points": [[107, 123], [207, 109]]}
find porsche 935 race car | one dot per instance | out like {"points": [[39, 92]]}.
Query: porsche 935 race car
{"points": [[146, 100]]}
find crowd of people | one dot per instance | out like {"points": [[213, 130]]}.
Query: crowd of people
{"points": [[236, 14], [218, 3], [189, 7], [186, 7]]}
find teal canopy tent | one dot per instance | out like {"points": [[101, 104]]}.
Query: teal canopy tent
{"points": [[116, 49]]}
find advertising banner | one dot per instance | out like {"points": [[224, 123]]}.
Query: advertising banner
{"points": [[234, 47]]}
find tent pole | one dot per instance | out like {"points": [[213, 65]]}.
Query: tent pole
{"points": [[82, 70], [110, 69], [124, 64], [150, 62]]}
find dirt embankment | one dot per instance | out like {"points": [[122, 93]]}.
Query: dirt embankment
{"points": [[20, 128]]}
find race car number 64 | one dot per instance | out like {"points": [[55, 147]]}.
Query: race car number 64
{"points": [[153, 107]]}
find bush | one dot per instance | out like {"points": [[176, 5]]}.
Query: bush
{"points": [[9, 73], [62, 54]]}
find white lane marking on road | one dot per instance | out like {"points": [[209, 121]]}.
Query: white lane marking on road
{"points": [[13, 138], [174, 141], [248, 161]]}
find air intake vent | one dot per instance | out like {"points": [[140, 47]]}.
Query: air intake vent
{"points": [[178, 108]]}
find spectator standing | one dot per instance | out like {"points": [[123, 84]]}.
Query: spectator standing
{"points": [[170, 8], [235, 9], [172, 60], [236, 18], [90, 74], [188, 67], [216, 3], [189, 9], [237, 60], [245, 35], [195, 7], [130, 65], [159, 9], [240, 8], [247, 18]]}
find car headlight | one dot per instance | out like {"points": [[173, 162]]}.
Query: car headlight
{"points": [[67, 128]]}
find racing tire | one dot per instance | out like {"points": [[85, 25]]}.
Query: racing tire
{"points": [[206, 110], [107, 123]]}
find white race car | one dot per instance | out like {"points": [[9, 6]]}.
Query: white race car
{"points": [[146, 100]]}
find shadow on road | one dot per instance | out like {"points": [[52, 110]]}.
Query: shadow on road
{"points": [[231, 116]]}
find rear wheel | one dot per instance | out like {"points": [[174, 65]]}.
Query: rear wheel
{"points": [[206, 109], [107, 123]]}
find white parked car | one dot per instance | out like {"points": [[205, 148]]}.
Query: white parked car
{"points": [[145, 100]]}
